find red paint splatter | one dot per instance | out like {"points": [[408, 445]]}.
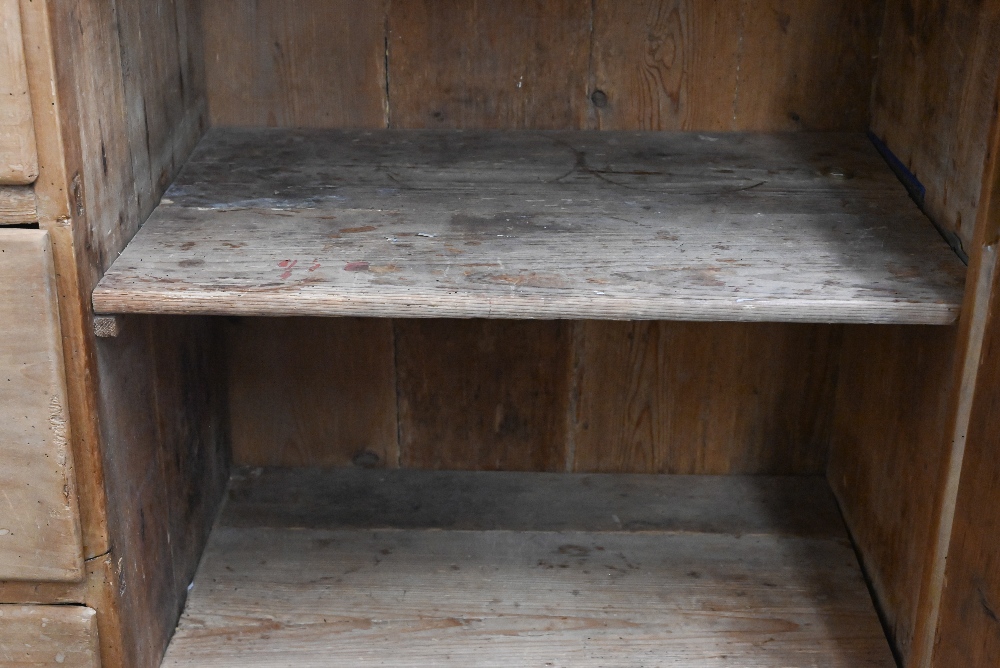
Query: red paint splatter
{"points": [[356, 266], [288, 265], [314, 267]]}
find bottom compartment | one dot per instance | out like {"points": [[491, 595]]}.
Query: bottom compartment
{"points": [[427, 568]]}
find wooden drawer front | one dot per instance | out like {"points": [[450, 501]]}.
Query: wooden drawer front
{"points": [[18, 156], [48, 635], [39, 517]]}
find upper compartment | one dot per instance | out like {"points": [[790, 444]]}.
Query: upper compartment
{"points": [[797, 227], [459, 222]]}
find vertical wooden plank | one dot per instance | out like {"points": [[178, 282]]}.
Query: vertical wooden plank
{"points": [[665, 64], [94, 207], [704, 398], [39, 520], [312, 392], [190, 384], [806, 65], [967, 632], [164, 90], [933, 101], [297, 63], [49, 635], [53, 107], [470, 64], [734, 65], [18, 155], [482, 395]]}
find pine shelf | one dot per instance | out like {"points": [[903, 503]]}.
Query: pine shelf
{"points": [[796, 227]]}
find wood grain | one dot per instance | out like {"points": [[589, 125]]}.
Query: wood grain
{"points": [[806, 65], [95, 206], [734, 65], [163, 79], [934, 100], [482, 394], [304, 63], [965, 634], [705, 596], [50, 88], [39, 520], [18, 155], [162, 418], [49, 635], [704, 398], [887, 451], [17, 205], [312, 392], [788, 227], [471, 64]]}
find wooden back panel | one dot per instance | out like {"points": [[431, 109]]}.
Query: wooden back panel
{"points": [[539, 396]]}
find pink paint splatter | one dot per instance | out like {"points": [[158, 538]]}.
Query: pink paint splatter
{"points": [[356, 266], [288, 265], [314, 267]]}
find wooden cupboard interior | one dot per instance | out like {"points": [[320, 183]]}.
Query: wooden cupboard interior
{"points": [[769, 306]]}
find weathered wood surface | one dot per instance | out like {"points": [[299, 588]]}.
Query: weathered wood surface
{"points": [[325, 397], [887, 449], [48, 635], [309, 63], [710, 574], [934, 100], [17, 205], [658, 64], [536, 225], [18, 155], [695, 398], [481, 395], [732, 65], [39, 519]]}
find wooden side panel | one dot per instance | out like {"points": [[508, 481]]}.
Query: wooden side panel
{"points": [[934, 99], [482, 395], [17, 205], [164, 84], [49, 635], [162, 443], [39, 519], [968, 633], [18, 155], [163, 420], [313, 392], [298, 63], [886, 456], [471, 64], [719, 398], [734, 65]]}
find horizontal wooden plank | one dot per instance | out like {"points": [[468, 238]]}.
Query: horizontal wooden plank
{"points": [[17, 205], [49, 635], [612, 225], [747, 594]]}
